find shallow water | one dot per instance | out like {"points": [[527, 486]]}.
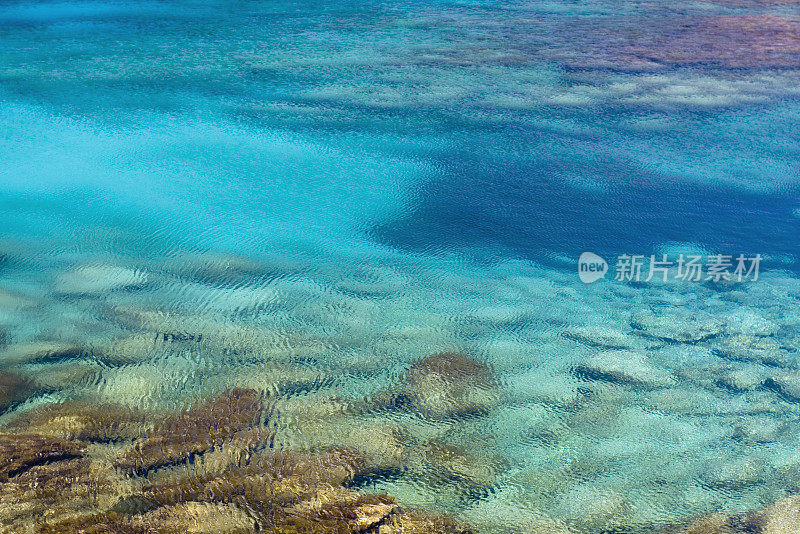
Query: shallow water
{"points": [[306, 198]]}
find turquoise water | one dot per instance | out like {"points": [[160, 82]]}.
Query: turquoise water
{"points": [[326, 193]]}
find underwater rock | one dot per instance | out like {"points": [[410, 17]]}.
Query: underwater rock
{"points": [[544, 386], [600, 406], [45, 488], [521, 505], [361, 514], [20, 452], [14, 388], [681, 400], [790, 341], [735, 474], [146, 346], [348, 513], [41, 352], [289, 493], [594, 508], [449, 385], [60, 486], [105, 523], [14, 300], [281, 379], [217, 268], [47, 478], [755, 349], [82, 421], [760, 429], [780, 517], [379, 442], [709, 524], [730, 41], [160, 381], [66, 375], [446, 461], [184, 518], [166, 330], [601, 336], [743, 379], [624, 367], [151, 320], [97, 280], [271, 477], [199, 518], [130, 349], [678, 327], [233, 419], [420, 523], [384, 446], [748, 323], [529, 421], [57, 489], [787, 384]]}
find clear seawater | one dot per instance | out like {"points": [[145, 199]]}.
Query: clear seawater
{"points": [[368, 183]]}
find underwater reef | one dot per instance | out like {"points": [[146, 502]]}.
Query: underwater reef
{"points": [[123, 413], [76, 467], [82, 468], [781, 517], [222, 465], [729, 41]]}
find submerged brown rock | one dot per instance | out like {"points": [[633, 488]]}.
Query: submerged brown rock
{"points": [[82, 421], [75, 476], [44, 477], [274, 479], [286, 492], [446, 385], [106, 523], [42, 352], [20, 452], [14, 388], [731, 41], [233, 419], [58, 489], [781, 517]]}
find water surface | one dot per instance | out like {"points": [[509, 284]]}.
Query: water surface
{"points": [[327, 193]]}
